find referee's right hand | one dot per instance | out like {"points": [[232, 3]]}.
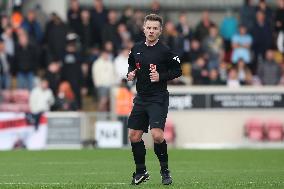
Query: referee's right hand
{"points": [[131, 75]]}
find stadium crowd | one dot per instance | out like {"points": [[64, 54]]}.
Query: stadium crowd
{"points": [[87, 54]]}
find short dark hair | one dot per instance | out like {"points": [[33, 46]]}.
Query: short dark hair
{"points": [[153, 17]]}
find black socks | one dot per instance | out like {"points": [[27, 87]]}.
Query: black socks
{"points": [[139, 152], [162, 154]]}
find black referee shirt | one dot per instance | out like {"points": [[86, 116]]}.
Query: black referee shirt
{"points": [[159, 57]]}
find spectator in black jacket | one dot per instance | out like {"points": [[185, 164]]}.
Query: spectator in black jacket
{"points": [[200, 72], [55, 36], [86, 31], [99, 18], [53, 75], [73, 16], [262, 39], [71, 68], [202, 28], [279, 16], [26, 62], [109, 30]]}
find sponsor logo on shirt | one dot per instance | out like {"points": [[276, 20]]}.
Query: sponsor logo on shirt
{"points": [[138, 65], [153, 67]]}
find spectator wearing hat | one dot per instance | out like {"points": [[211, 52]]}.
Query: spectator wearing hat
{"points": [[71, 66]]}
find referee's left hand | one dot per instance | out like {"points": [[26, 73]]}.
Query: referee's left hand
{"points": [[154, 76]]}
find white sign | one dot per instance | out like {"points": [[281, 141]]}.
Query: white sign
{"points": [[15, 130], [109, 134]]}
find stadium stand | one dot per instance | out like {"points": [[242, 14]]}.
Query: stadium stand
{"points": [[59, 48]]}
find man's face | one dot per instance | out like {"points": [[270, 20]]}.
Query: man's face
{"points": [[44, 84], [152, 30]]}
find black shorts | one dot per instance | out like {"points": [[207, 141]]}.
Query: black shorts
{"points": [[149, 111]]}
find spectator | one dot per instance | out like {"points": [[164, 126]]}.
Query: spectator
{"points": [[173, 39], [241, 44], [86, 31], [74, 16], [55, 36], [127, 17], [104, 78], [281, 82], [32, 27], [138, 21], [279, 26], [213, 47], [7, 37], [228, 28], [93, 54], [123, 101], [121, 64], [214, 77], [247, 15], [261, 31], [223, 71], [183, 27], [5, 65], [40, 101], [53, 76], [186, 32], [41, 16], [279, 17], [244, 73], [86, 78], [16, 20], [269, 72], [195, 51], [109, 30], [41, 97], [202, 28], [155, 8], [99, 17], [65, 99], [4, 23], [109, 48], [200, 72], [262, 6], [26, 62], [71, 67], [233, 79], [280, 42], [124, 36]]}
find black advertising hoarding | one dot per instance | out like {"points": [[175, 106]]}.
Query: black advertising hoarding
{"points": [[247, 100], [187, 101]]}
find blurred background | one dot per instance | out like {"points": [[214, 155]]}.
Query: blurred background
{"points": [[63, 66]]}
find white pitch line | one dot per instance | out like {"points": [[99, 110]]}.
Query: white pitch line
{"points": [[58, 183], [67, 174]]}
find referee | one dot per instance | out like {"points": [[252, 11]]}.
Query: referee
{"points": [[153, 64]]}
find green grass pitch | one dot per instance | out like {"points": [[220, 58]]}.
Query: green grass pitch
{"points": [[110, 168]]}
